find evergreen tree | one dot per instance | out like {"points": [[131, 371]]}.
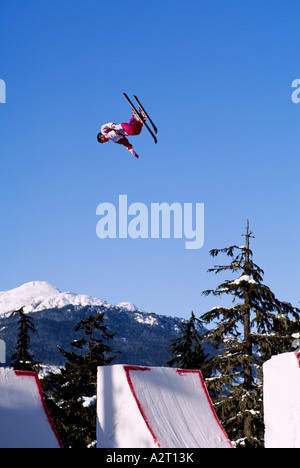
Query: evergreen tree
{"points": [[246, 335], [22, 359], [187, 349], [71, 393]]}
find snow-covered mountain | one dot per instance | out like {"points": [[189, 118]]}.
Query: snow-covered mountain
{"points": [[25, 295], [141, 337], [40, 295]]}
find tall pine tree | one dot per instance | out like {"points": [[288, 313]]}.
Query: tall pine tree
{"points": [[22, 359], [71, 393], [245, 336]]}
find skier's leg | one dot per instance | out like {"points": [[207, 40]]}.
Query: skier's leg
{"points": [[134, 127]]}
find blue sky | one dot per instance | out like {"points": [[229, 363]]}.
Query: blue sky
{"points": [[216, 78]]}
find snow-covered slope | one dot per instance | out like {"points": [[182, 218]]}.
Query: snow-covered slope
{"points": [[151, 407], [24, 419], [39, 295], [26, 295], [127, 306]]}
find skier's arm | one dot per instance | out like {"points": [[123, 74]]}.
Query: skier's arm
{"points": [[108, 127]]}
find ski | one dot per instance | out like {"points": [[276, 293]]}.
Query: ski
{"points": [[146, 113], [141, 117]]}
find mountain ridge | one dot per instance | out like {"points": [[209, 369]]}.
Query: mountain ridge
{"points": [[35, 296], [141, 338]]}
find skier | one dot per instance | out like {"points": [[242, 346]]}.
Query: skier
{"points": [[118, 132]]}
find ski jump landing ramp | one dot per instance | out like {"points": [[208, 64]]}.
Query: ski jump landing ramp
{"points": [[152, 407], [282, 401], [24, 419]]}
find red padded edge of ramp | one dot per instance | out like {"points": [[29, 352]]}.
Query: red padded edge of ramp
{"points": [[181, 372], [127, 372], [40, 391], [297, 354]]}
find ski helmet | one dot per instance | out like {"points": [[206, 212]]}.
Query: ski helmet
{"points": [[99, 137]]}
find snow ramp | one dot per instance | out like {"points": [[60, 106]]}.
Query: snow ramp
{"points": [[282, 401], [24, 419], [155, 407]]}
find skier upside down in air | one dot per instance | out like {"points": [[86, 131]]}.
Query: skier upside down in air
{"points": [[118, 132]]}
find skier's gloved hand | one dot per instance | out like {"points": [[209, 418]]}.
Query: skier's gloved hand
{"points": [[133, 152]]}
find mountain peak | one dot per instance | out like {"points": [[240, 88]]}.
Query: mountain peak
{"points": [[39, 295], [42, 288], [25, 295]]}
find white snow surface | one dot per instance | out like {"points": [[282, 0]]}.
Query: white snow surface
{"points": [[127, 306], [243, 278], [152, 407], [281, 401], [24, 421], [39, 295]]}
